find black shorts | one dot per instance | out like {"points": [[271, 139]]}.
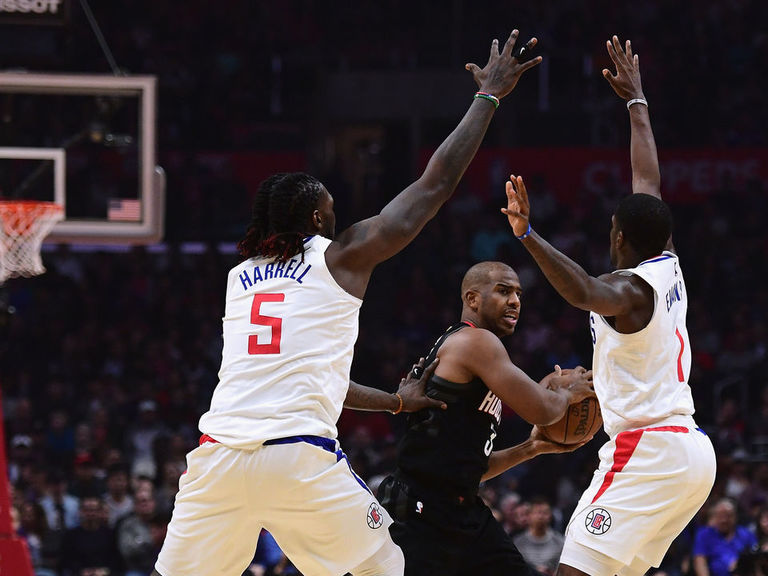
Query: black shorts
{"points": [[441, 537]]}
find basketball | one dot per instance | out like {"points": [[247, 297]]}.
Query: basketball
{"points": [[580, 421]]}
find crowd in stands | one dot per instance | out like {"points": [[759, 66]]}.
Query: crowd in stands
{"points": [[108, 360], [228, 76]]}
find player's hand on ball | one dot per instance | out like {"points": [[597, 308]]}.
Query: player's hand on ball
{"points": [[582, 419], [578, 370], [413, 388], [578, 381], [543, 445]]}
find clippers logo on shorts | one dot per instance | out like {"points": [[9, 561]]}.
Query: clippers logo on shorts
{"points": [[598, 521], [375, 517]]}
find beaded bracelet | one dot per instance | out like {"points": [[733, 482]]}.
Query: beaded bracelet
{"points": [[526, 233], [490, 97]]}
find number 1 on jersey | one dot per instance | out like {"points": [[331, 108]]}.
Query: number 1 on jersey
{"points": [[680, 373], [273, 346]]}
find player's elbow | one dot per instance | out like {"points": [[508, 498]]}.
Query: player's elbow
{"points": [[579, 299], [583, 295], [437, 186]]}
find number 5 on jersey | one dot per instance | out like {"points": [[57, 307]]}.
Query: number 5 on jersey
{"points": [[273, 346]]}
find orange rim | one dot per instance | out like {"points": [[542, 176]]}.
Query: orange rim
{"points": [[18, 215]]}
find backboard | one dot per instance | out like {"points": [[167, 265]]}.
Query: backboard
{"points": [[87, 142]]}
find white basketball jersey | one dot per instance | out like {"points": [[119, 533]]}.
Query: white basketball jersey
{"points": [[642, 378], [289, 335]]}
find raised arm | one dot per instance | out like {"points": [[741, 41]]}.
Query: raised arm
{"points": [[608, 295], [361, 247], [646, 178]]}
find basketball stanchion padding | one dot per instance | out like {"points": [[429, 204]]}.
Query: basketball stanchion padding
{"points": [[23, 226], [14, 557], [14, 552]]}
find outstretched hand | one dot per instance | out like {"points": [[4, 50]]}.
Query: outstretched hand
{"points": [[626, 82], [500, 75], [413, 387], [518, 208]]}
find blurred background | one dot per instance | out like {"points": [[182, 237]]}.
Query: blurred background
{"points": [[108, 360]]}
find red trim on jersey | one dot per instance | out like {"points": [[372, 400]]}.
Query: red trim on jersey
{"points": [[205, 438], [626, 442], [680, 375], [682, 429], [469, 323]]}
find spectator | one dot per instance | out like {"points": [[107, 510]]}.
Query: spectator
{"points": [[44, 545], [141, 438], [539, 544], [165, 494], [761, 529], [158, 526], [506, 508], [60, 439], [737, 479], [62, 509], [755, 495], [92, 545], [754, 562], [21, 454], [718, 545], [118, 501], [85, 480], [135, 537], [514, 512]]}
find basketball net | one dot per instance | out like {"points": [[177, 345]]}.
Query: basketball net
{"points": [[23, 226]]}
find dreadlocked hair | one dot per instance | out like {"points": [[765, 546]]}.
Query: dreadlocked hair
{"points": [[281, 211]]}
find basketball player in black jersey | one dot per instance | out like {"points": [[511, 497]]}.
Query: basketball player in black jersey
{"points": [[441, 524]]}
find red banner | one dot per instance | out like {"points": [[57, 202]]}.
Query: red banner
{"points": [[687, 175], [571, 174]]}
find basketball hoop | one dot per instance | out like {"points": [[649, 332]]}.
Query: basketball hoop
{"points": [[23, 226]]}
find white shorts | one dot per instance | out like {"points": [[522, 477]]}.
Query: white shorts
{"points": [[649, 485], [321, 514]]}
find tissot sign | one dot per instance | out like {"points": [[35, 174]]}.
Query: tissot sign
{"points": [[34, 12]]}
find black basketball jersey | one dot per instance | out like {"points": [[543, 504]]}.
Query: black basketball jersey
{"points": [[446, 451]]}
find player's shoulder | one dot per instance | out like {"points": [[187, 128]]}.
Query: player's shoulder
{"points": [[470, 339]]}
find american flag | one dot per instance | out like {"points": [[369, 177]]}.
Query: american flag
{"points": [[126, 210]]}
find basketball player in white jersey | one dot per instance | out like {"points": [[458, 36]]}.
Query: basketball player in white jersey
{"points": [[269, 457], [658, 467]]}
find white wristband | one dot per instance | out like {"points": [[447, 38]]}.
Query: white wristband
{"points": [[642, 101]]}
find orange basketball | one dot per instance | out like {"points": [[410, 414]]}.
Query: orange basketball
{"points": [[580, 421]]}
